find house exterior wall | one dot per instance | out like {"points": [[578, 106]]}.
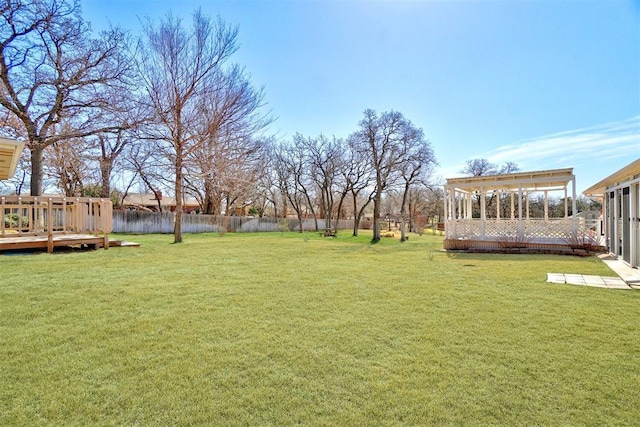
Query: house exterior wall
{"points": [[620, 193], [622, 224]]}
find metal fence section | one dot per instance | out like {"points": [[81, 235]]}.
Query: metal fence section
{"points": [[152, 222]]}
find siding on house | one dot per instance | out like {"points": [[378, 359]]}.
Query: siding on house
{"points": [[620, 195]]}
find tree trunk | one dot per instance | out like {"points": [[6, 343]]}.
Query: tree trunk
{"points": [[37, 172], [403, 208], [106, 166], [209, 204], [300, 221], [177, 228], [356, 216], [376, 216], [342, 197]]}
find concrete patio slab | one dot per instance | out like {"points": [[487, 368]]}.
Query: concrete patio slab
{"points": [[631, 276], [587, 280]]}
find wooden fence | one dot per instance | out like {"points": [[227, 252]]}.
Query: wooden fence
{"points": [[153, 222]]}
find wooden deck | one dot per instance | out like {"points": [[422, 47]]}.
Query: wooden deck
{"points": [[45, 242], [49, 222]]}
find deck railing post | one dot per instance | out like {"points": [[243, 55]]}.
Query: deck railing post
{"points": [[64, 215], [92, 217], [19, 223], [3, 214], [77, 213], [50, 225]]}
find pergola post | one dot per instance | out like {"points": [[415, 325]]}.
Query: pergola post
{"points": [[483, 211], [546, 205], [574, 223], [452, 206], [513, 214], [445, 212], [520, 225], [526, 202], [498, 205]]}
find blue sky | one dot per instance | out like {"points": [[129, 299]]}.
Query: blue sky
{"points": [[545, 84]]}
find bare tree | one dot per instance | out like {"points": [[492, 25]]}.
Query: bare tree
{"points": [[483, 167], [110, 146], [179, 67], [225, 163], [289, 166], [419, 161], [67, 163], [145, 164], [324, 158], [479, 167], [383, 138], [267, 189], [299, 156], [131, 116], [358, 179], [51, 69]]}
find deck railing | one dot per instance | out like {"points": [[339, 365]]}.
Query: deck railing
{"points": [[553, 230], [50, 216]]}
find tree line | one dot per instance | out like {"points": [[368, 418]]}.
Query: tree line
{"points": [[104, 114]]}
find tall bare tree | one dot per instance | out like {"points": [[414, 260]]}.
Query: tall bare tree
{"points": [[383, 139], [226, 161], [146, 166], [483, 167], [51, 69], [324, 158], [179, 67], [267, 191], [295, 181], [289, 166], [358, 179], [418, 164], [132, 115], [67, 163]]}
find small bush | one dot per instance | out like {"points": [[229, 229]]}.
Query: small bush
{"points": [[14, 221]]}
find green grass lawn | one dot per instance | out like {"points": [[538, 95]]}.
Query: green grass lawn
{"points": [[280, 329]]}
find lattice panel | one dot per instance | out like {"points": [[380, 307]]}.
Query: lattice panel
{"points": [[501, 228], [538, 230], [463, 229], [552, 229]]}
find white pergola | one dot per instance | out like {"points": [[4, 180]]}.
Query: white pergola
{"points": [[515, 189]]}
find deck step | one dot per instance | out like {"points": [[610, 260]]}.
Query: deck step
{"points": [[122, 244]]}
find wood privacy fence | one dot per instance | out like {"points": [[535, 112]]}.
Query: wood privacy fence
{"points": [[153, 222]]}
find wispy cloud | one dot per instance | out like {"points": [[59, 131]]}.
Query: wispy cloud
{"points": [[570, 148], [594, 152]]}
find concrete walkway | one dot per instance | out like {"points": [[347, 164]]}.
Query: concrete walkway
{"points": [[630, 275], [628, 278]]}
